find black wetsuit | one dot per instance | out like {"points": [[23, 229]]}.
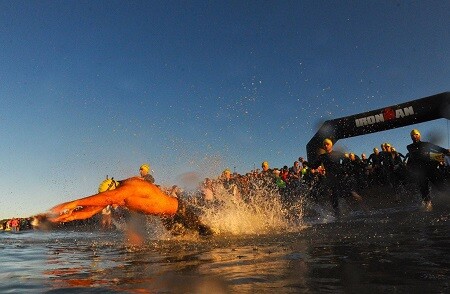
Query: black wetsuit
{"points": [[375, 161], [149, 178], [185, 218], [355, 172], [424, 170], [399, 169], [334, 174], [388, 164]]}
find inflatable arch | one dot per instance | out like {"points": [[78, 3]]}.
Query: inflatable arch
{"points": [[391, 117]]}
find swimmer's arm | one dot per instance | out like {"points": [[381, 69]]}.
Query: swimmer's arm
{"points": [[438, 149]]}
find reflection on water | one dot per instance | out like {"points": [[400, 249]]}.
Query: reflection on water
{"points": [[397, 249]]}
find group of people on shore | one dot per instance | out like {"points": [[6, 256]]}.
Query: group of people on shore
{"points": [[16, 224], [339, 174]]}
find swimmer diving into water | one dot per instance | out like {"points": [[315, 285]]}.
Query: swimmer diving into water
{"points": [[137, 195]]}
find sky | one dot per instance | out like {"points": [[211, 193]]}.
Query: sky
{"points": [[96, 88]]}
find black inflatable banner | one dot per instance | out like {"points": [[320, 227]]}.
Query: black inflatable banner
{"points": [[391, 117]]}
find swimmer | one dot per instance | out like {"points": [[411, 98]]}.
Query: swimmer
{"points": [[136, 195], [335, 180], [144, 171], [331, 160], [423, 168]]}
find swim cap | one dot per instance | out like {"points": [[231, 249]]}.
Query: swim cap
{"points": [[108, 184], [415, 132], [328, 141], [145, 167]]}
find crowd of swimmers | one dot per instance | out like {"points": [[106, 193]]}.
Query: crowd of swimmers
{"points": [[334, 174], [339, 174]]}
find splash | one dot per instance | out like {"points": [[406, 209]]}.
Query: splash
{"points": [[261, 211], [257, 208]]}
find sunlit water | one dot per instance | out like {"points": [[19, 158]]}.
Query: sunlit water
{"points": [[392, 247]]}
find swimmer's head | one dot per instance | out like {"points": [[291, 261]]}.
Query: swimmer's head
{"points": [[415, 135], [327, 145], [415, 132], [327, 141], [145, 167]]}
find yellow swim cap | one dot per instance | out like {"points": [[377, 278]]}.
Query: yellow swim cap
{"points": [[108, 184], [415, 132], [328, 141], [145, 167]]}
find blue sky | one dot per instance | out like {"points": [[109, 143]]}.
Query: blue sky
{"points": [[95, 88]]}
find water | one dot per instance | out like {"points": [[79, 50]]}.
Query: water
{"points": [[392, 247]]}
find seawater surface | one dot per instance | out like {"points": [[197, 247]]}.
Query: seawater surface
{"points": [[394, 247]]}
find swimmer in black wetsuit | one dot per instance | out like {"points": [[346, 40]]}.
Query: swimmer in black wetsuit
{"points": [[375, 162], [423, 168], [334, 171], [144, 171]]}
